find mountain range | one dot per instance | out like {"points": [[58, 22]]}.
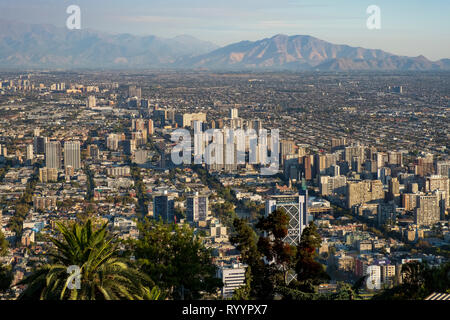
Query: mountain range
{"points": [[46, 46]]}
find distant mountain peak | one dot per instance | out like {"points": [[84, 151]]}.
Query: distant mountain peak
{"points": [[46, 46], [304, 52]]}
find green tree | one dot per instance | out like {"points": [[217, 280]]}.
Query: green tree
{"points": [[104, 275], [273, 247], [244, 291], [259, 278], [175, 258], [307, 268], [6, 277], [4, 244], [419, 281]]}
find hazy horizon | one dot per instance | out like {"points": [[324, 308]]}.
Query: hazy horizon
{"points": [[407, 27]]}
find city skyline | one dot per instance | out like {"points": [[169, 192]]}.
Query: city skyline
{"points": [[300, 151]]}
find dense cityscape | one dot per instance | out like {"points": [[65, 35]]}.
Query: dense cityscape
{"points": [[358, 207]]}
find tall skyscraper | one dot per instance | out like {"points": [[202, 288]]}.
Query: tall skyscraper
{"points": [[112, 141], [30, 154], [441, 183], [48, 175], [197, 208], [53, 155], [427, 212], [138, 124], [151, 129], [338, 143], [72, 156], [365, 191], [443, 168], [394, 190], [39, 144], [3, 151], [163, 207], [93, 151], [129, 146], [233, 113], [354, 151], [424, 165], [199, 143], [256, 125], [134, 91]]}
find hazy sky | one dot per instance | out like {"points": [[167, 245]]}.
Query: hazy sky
{"points": [[410, 28]]}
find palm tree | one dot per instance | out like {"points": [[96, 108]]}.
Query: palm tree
{"points": [[102, 274]]}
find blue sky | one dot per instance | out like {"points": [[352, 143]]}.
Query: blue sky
{"points": [[407, 27]]}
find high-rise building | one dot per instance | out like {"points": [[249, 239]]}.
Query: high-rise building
{"points": [[427, 212], [118, 171], [91, 102], [69, 171], [129, 146], [140, 156], [332, 185], [441, 183], [386, 212], [48, 175], [296, 208], [409, 201], [30, 154], [72, 154], [373, 281], [53, 155], [138, 124], [151, 129], [39, 144], [307, 165], [112, 142], [443, 168], [396, 89], [338, 143], [145, 103], [187, 119], [163, 207], [233, 113], [93, 151], [161, 116], [320, 164], [199, 142], [171, 116], [424, 166], [197, 208], [287, 147], [381, 159], [354, 151], [140, 137], [232, 276], [395, 158], [256, 125], [134, 91], [364, 192], [394, 190]]}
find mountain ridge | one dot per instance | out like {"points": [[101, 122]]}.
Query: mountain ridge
{"points": [[304, 52], [46, 46]]}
